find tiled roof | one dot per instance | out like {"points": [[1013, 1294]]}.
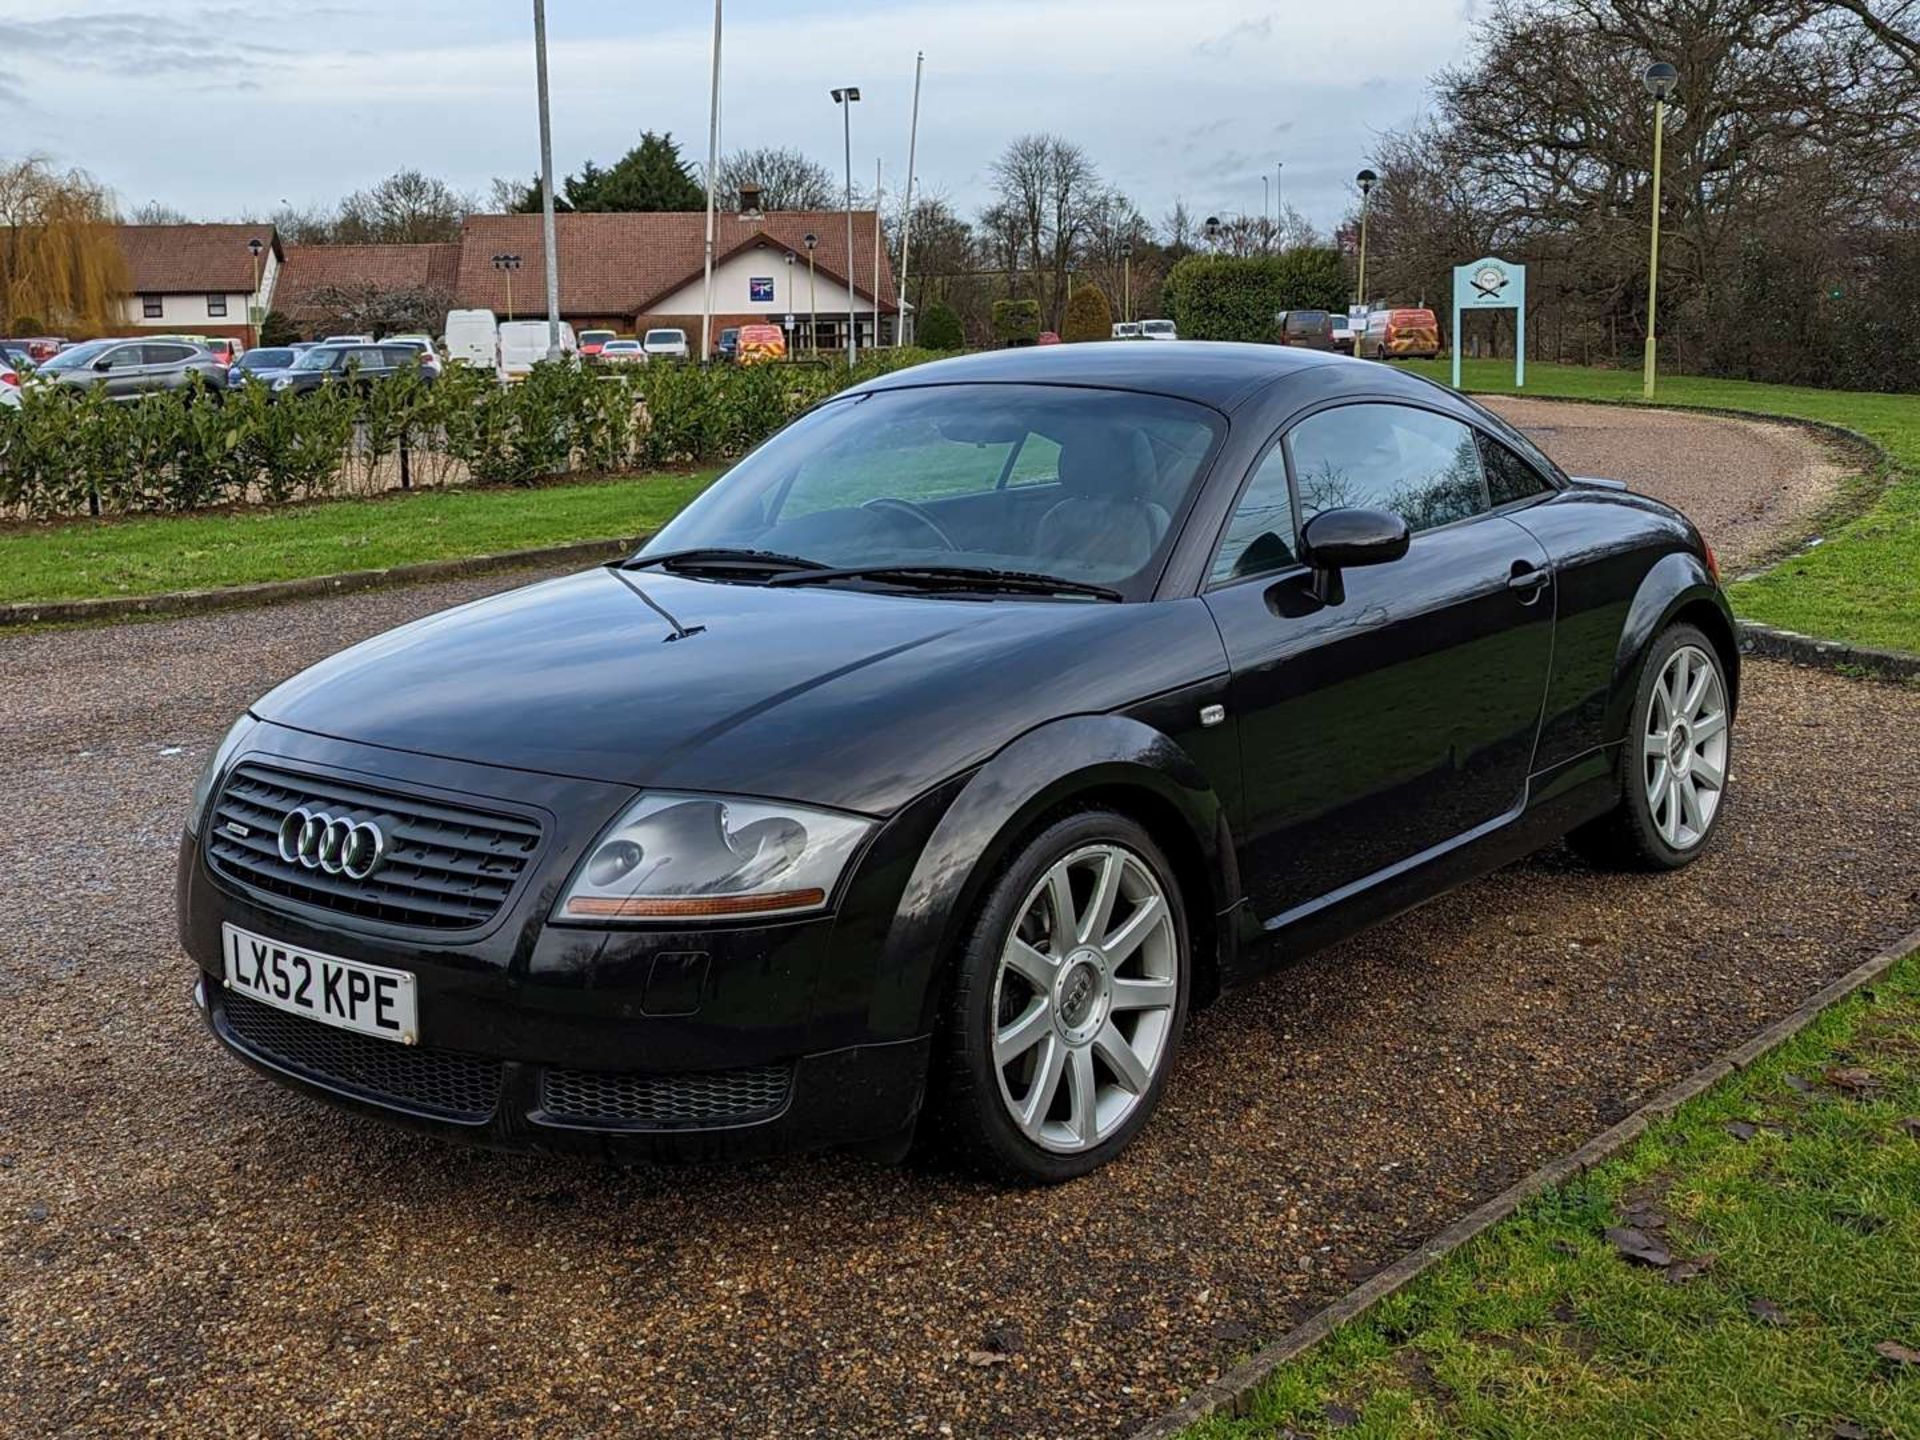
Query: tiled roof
{"points": [[387, 267], [624, 263], [189, 259]]}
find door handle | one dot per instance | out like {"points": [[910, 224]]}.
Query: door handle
{"points": [[1528, 581]]}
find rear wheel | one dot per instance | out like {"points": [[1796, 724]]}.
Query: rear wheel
{"points": [[1069, 1002], [1674, 764]]}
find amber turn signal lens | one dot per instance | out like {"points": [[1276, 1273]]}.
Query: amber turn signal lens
{"points": [[690, 907], [1713, 563]]}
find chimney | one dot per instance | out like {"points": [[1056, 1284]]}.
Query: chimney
{"points": [[750, 200]]}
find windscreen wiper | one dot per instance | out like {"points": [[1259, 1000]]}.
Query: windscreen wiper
{"points": [[723, 560], [952, 577]]}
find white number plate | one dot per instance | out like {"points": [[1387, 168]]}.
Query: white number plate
{"points": [[346, 993]]}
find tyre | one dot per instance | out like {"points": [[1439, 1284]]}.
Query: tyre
{"points": [[1674, 762], [1068, 1003]]}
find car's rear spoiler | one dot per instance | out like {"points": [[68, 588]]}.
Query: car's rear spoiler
{"points": [[1595, 482]]}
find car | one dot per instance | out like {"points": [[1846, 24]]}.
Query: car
{"points": [[9, 384], [42, 347], [922, 775], [1342, 334], [224, 350], [1158, 330], [473, 338], [16, 356], [361, 365], [347, 340], [665, 344], [1126, 330], [592, 340], [727, 347], [126, 369], [423, 346], [622, 352], [1401, 332], [1048, 337], [526, 343], [263, 364], [1310, 329]]}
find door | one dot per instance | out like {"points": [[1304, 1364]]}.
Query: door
{"points": [[164, 366], [1395, 722], [124, 373]]}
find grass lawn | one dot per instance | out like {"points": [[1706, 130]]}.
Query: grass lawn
{"points": [[1794, 1186], [82, 559], [1863, 584]]}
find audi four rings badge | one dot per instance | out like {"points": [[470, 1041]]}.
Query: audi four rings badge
{"points": [[333, 844]]}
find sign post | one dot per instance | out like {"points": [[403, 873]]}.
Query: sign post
{"points": [[1490, 284]]}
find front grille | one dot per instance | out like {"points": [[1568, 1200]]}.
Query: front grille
{"points": [[664, 1102], [448, 866], [437, 1082]]}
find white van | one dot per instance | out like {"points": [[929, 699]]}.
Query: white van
{"points": [[473, 338], [523, 344]]}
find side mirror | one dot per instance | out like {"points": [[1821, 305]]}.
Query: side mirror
{"points": [[1336, 539], [105, 362]]}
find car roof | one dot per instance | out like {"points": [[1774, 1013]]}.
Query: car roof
{"points": [[1217, 373]]}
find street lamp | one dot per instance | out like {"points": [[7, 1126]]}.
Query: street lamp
{"points": [[254, 247], [1212, 227], [845, 97], [549, 250], [1070, 282], [506, 265], [1660, 79], [1126, 281], [790, 258], [813, 297], [1365, 180]]}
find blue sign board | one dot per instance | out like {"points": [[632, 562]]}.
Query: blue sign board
{"points": [[1490, 284], [760, 289]]}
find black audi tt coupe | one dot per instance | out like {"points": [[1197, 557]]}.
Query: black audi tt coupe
{"points": [[924, 772]]}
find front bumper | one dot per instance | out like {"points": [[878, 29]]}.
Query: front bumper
{"points": [[694, 1042]]}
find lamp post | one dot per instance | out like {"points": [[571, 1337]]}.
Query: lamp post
{"points": [[1365, 180], [813, 298], [550, 247], [506, 265], [1069, 282], [713, 165], [1266, 201], [1126, 281], [845, 97], [254, 247], [1212, 228], [1659, 79]]}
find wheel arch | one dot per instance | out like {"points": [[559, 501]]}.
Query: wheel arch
{"points": [[1074, 763], [1678, 588]]}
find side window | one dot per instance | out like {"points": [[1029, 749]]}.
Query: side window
{"points": [[1421, 466], [1509, 478], [1038, 462], [1259, 537], [164, 354]]}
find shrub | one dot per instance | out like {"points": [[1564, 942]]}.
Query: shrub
{"points": [[277, 329], [1016, 322], [941, 329], [28, 325], [1236, 297], [1089, 317]]}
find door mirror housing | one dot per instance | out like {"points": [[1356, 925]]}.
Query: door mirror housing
{"points": [[1336, 539]]}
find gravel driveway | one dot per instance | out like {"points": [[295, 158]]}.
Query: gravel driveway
{"points": [[186, 1249]]}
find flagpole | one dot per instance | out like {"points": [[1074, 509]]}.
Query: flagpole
{"points": [[713, 176], [906, 219]]}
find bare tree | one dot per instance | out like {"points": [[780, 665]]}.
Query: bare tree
{"points": [[788, 178], [1046, 189], [407, 208], [153, 212]]}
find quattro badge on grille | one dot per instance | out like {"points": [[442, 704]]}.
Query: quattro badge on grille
{"points": [[332, 844]]}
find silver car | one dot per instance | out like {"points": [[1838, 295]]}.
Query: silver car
{"points": [[126, 369]]}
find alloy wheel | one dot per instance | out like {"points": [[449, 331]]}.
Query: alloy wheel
{"points": [[1684, 747], [1084, 997]]}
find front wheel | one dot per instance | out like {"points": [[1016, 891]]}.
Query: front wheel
{"points": [[1068, 1004], [1675, 762]]}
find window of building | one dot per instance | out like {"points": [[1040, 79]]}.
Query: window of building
{"points": [[216, 307], [150, 306]]}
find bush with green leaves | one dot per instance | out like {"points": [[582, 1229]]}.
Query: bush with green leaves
{"points": [[1228, 297], [1016, 322], [941, 329], [1088, 317]]}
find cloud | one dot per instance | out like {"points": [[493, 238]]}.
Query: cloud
{"points": [[1220, 47], [127, 43]]}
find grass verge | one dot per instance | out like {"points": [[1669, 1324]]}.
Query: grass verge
{"points": [[1862, 583], [1776, 1293], [153, 555]]}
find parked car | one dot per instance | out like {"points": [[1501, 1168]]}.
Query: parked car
{"points": [[1401, 333], [126, 369], [347, 340], [665, 344], [525, 343], [9, 384], [952, 790], [1126, 329], [622, 352], [1343, 334], [592, 340], [225, 350], [42, 347], [16, 356], [429, 357], [473, 338], [727, 347], [1048, 337], [1158, 330], [1308, 329], [761, 342], [358, 364], [263, 364]]}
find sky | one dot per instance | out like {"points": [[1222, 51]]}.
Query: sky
{"points": [[221, 110]]}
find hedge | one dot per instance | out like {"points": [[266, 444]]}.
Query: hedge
{"points": [[64, 452], [1224, 297], [1016, 322], [1089, 317]]}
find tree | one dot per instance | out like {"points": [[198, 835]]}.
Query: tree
{"points": [[1089, 317], [155, 213], [364, 307], [1016, 322], [407, 208], [1046, 190], [276, 328], [311, 226], [60, 261], [940, 330], [788, 178], [651, 176]]}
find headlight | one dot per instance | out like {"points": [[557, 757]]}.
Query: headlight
{"points": [[282, 383], [701, 857], [203, 787]]}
